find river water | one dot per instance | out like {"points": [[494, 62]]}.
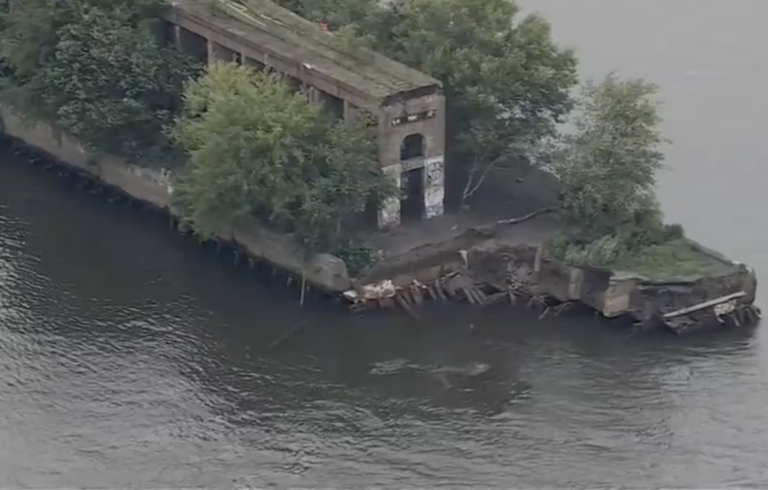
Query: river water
{"points": [[129, 357]]}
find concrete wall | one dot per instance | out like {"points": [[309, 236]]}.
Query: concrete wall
{"points": [[393, 132], [555, 279], [155, 187], [663, 297], [597, 288]]}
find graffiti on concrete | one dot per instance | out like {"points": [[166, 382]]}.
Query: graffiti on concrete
{"points": [[161, 177], [389, 212], [434, 188]]}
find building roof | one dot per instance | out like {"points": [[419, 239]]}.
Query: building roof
{"points": [[282, 31]]}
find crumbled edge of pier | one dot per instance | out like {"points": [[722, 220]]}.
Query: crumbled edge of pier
{"points": [[478, 268]]}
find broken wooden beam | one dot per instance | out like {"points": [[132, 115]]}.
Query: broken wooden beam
{"points": [[701, 306]]}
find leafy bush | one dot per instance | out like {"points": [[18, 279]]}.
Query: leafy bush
{"points": [[96, 69], [608, 166], [608, 163], [358, 256], [652, 250]]}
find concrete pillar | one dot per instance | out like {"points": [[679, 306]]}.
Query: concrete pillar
{"points": [[177, 38], [190, 43], [574, 285], [351, 111], [389, 212], [313, 95], [434, 186], [182, 40], [255, 64], [218, 52]]}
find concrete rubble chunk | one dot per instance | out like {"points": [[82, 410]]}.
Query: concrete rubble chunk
{"points": [[330, 271]]}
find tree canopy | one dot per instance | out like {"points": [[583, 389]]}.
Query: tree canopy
{"points": [[609, 161], [507, 84], [94, 68], [608, 164], [258, 149]]}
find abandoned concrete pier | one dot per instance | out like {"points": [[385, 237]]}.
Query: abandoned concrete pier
{"points": [[427, 254]]}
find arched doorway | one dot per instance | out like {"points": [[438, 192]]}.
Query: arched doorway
{"points": [[412, 178], [412, 146]]}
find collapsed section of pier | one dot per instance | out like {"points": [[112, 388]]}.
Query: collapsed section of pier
{"points": [[484, 267]]}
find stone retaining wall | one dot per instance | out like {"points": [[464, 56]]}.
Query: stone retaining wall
{"points": [[155, 187]]}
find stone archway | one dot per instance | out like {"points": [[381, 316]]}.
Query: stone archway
{"points": [[413, 146]]}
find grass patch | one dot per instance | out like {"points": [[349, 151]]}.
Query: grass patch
{"points": [[659, 255], [673, 259]]}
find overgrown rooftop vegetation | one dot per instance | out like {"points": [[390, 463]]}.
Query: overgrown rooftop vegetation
{"points": [[267, 24]]}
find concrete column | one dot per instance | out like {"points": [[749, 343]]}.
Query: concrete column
{"points": [[177, 38], [313, 95], [190, 43], [218, 52], [434, 186], [389, 212], [182, 40], [351, 111], [574, 285], [255, 64]]}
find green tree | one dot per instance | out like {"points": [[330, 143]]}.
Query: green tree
{"points": [[506, 82], [257, 149], [28, 38], [96, 69], [608, 163], [113, 84]]}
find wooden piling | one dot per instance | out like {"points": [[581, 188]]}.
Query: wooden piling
{"points": [[403, 303], [416, 293], [439, 290]]}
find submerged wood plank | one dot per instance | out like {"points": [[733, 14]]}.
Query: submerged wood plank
{"points": [[290, 333]]}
